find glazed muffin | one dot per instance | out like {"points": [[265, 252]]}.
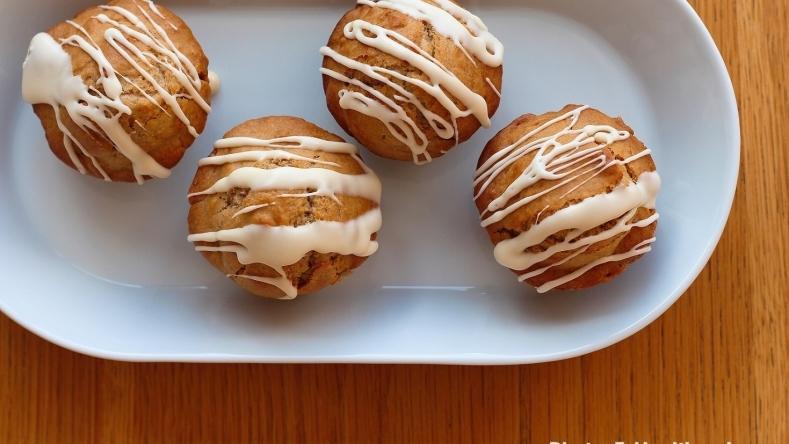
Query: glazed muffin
{"points": [[568, 198], [410, 79], [122, 90], [284, 208]]}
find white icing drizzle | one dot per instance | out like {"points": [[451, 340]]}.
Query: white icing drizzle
{"points": [[493, 87], [140, 125], [256, 156], [640, 249], [328, 183], [48, 78], [214, 82], [567, 155], [176, 62], [280, 246], [251, 209], [145, 94], [156, 11], [294, 142], [465, 30]]}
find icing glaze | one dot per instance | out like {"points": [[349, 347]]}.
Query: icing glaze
{"points": [[639, 250], [48, 78], [564, 157], [294, 142], [214, 82], [464, 29], [324, 181], [280, 246], [493, 87], [156, 11], [251, 209]]}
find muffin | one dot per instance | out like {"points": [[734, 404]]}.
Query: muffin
{"points": [[411, 79], [122, 90], [284, 208], [568, 198]]}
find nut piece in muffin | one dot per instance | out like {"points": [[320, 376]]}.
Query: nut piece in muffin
{"points": [[568, 198], [284, 208], [411, 79], [122, 90]]}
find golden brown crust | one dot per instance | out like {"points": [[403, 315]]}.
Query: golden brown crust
{"points": [[369, 131], [161, 134], [542, 207], [215, 212]]}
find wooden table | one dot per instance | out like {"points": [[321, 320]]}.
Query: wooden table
{"points": [[711, 370]]}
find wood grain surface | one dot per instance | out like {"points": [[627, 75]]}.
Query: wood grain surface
{"points": [[712, 370]]}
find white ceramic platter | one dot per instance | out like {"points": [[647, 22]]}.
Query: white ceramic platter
{"points": [[105, 269]]}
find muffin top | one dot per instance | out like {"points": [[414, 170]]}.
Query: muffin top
{"points": [[276, 189], [427, 73], [560, 193], [125, 85]]}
